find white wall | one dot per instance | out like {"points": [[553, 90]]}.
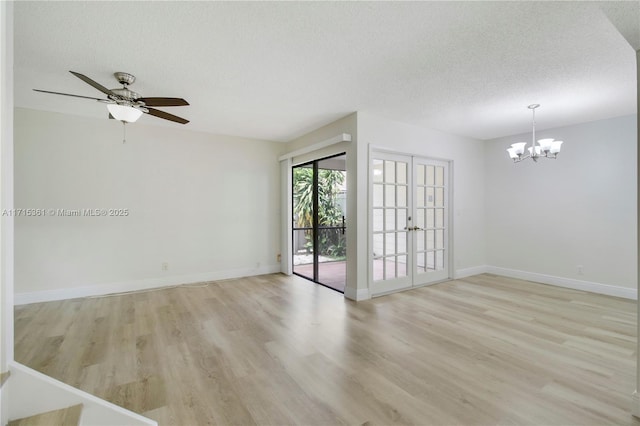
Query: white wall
{"points": [[468, 178], [207, 205], [580, 209]]}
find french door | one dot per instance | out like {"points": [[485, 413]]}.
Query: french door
{"points": [[409, 222]]}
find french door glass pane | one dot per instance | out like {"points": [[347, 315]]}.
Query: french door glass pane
{"points": [[431, 260], [402, 218], [420, 174], [389, 171], [390, 219], [439, 176], [378, 220], [402, 266], [421, 262], [402, 242], [378, 197], [420, 196], [401, 170], [378, 245], [378, 269], [420, 223], [420, 240], [390, 196], [430, 221], [390, 243], [439, 202], [377, 171], [430, 197], [439, 218], [401, 195], [430, 239], [439, 243], [430, 180], [390, 268]]}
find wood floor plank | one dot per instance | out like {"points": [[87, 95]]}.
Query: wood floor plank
{"points": [[484, 350], [69, 416]]}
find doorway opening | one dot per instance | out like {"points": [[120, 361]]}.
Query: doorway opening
{"points": [[319, 227]]}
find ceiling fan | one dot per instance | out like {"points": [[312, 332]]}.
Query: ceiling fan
{"points": [[126, 105]]}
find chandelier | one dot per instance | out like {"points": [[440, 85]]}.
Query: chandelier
{"points": [[545, 148]]}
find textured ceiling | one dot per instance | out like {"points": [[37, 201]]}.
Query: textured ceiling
{"points": [[278, 70]]}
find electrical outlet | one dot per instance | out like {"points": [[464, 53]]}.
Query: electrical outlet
{"points": [[278, 257], [165, 266], [580, 269]]}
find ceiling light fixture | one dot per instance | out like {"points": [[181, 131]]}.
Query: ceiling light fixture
{"points": [[124, 113], [546, 148]]}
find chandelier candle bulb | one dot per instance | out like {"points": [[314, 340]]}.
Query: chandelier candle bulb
{"points": [[545, 144], [512, 153], [519, 147], [555, 147]]}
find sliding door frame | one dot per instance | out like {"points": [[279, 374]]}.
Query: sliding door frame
{"points": [[315, 228]]}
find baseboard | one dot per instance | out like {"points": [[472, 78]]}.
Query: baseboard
{"points": [[350, 293], [592, 287], [635, 404], [468, 272], [357, 294], [137, 285]]}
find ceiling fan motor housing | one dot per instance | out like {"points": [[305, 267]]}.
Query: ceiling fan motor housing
{"points": [[126, 93], [124, 78]]}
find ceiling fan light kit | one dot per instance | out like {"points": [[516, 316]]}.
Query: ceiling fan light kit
{"points": [[126, 105], [546, 148], [124, 113]]}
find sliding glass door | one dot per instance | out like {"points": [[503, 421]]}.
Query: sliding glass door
{"points": [[319, 211]]}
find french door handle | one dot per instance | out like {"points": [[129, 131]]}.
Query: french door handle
{"points": [[414, 228]]}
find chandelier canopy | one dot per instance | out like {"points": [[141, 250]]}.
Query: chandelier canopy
{"points": [[545, 148]]}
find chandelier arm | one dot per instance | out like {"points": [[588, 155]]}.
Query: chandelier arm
{"points": [[521, 158]]}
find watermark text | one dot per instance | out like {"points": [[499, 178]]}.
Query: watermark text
{"points": [[65, 212]]}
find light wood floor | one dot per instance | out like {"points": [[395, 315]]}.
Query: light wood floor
{"points": [[280, 350]]}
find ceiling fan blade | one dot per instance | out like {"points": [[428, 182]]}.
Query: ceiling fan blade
{"points": [[163, 102], [68, 94], [90, 82], [166, 116]]}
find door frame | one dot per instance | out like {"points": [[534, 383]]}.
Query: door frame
{"points": [[450, 216]]}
